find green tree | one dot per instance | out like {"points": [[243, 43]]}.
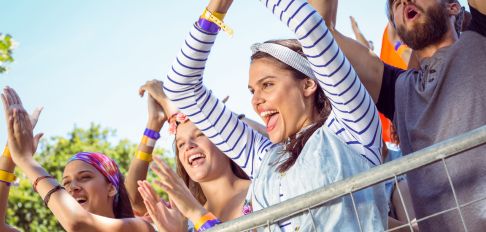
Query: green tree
{"points": [[6, 46], [26, 209]]}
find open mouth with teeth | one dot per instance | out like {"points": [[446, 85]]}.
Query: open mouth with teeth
{"points": [[196, 159], [270, 117]]}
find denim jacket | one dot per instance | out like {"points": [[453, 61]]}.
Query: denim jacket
{"points": [[325, 159]]}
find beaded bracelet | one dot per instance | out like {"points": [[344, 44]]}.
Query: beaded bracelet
{"points": [[53, 190], [144, 156], [7, 177], [6, 152], [34, 186]]}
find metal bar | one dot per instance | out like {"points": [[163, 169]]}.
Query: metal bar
{"points": [[377, 174], [455, 195], [356, 211], [403, 203]]}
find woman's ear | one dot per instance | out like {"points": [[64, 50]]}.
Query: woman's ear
{"points": [[112, 191], [310, 87]]}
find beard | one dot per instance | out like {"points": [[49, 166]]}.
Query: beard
{"points": [[429, 32]]}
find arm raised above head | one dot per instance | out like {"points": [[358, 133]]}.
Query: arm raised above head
{"points": [[354, 117], [184, 87]]}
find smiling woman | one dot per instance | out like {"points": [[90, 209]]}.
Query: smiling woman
{"points": [[293, 82], [95, 200]]}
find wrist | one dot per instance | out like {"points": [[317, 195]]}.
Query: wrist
{"points": [[155, 125], [24, 161], [195, 214]]}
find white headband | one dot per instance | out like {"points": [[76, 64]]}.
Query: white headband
{"points": [[286, 55]]}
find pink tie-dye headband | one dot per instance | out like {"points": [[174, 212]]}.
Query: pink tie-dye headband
{"points": [[104, 164]]}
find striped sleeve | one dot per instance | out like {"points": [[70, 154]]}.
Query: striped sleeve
{"points": [[184, 87], [354, 117]]}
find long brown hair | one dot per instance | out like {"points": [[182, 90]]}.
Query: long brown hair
{"points": [[122, 206], [321, 104], [194, 186]]}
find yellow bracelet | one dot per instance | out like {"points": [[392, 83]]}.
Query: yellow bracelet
{"points": [[6, 152], [144, 156], [204, 219], [7, 176], [217, 18]]}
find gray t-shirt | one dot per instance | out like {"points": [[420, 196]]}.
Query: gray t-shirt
{"points": [[445, 98]]}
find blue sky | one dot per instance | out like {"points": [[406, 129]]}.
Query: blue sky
{"points": [[84, 60]]}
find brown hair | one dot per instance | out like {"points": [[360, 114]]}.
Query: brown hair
{"points": [[122, 206], [194, 186], [321, 104], [459, 22]]}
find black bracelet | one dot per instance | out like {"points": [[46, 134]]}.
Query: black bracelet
{"points": [[48, 195]]}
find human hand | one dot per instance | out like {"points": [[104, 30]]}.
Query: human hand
{"points": [[165, 216], [177, 190], [22, 144], [155, 89], [156, 115]]}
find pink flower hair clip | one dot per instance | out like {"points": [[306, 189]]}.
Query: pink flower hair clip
{"points": [[175, 120]]}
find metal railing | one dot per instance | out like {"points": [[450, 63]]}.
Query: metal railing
{"points": [[295, 206]]}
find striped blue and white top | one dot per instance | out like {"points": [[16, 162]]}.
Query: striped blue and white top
{"points": [[354, 117]]}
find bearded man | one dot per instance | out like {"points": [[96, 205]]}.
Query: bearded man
{"points": [[444, 97]]}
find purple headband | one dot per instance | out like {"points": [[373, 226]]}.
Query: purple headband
{"points": [[103, 164]]}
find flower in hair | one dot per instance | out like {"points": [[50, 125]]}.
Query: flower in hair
{"points": [[175, 120]]}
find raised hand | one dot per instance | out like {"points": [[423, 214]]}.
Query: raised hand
{"points": [[165, 216], [20, 131], [156, 115], [178, 192], [155, 89]]}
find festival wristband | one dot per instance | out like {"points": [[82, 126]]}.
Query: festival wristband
{"points": [[48, 195], [6, 152], [213, 17], [203, 220], [34, 186], [144, 156], [208, 26], [151, 134], [7, 176], [148, 141]]}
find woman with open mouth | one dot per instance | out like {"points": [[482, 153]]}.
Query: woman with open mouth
{"points": [[313, 144], [207, 182], [92, 196]]}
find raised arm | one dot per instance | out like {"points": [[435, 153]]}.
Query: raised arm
{"points": [[354, 117], [8, 166], [184, 87], [140, 163], [368, 66], [66, 209]]}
